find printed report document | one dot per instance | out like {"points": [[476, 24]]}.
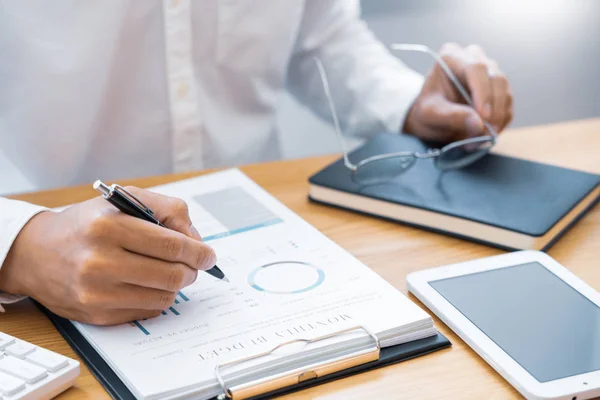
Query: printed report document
{"points": [[288, 281]]}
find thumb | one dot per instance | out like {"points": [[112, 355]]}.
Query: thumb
{"points": [[459, 118], [170, 211]]}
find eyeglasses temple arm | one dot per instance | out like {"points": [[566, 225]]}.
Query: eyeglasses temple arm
{"points": [[336, 123], [424, 49]]}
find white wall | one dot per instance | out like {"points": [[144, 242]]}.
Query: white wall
{"points": [[302, 134], [11, 180]]}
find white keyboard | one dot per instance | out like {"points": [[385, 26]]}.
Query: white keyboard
{"points": [[32, 372]]}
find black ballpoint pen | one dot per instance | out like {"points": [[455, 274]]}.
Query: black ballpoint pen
{"points": [[131, 205]]}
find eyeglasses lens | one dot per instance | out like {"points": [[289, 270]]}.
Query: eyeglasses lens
{"points": [[459, 154], [380, 170]]}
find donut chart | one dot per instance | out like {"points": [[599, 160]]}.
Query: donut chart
{"points": [[286, 277]]}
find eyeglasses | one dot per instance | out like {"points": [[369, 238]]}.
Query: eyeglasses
{"points": [[383, 167]]}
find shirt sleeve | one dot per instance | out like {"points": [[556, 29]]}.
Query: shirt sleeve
{"points": [[13, 217], [371, 88]]}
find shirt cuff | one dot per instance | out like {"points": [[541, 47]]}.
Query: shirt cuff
{"points": [[390, 106], [14, 215], [410, 89], [7, 298]]}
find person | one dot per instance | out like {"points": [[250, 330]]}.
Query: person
{"points": [[130, 88]]}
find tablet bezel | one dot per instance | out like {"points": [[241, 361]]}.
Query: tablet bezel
{"points": [[501, 361]]}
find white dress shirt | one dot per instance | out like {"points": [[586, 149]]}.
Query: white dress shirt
{"points": [[130, 88]]}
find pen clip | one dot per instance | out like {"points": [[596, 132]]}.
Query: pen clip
{"points": [[130, 196]]}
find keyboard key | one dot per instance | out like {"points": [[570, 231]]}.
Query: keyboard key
{"points": [[21, 369], [47, 359], [28, 371], [19, 349], [5, 340], [10, 385]]}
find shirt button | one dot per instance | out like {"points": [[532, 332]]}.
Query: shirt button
{"points": [[182, 91]]}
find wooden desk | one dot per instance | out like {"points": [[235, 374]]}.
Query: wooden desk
{"points": [[392, 250]]}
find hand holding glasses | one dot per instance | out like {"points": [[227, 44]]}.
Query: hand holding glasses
{"points": [[383, 167]]}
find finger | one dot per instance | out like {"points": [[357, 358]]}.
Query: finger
{"points": [[105, 316], [151, 273], [509, 116], [151, 240], [141, 298], [462, 119], [501, 104], [124, 296], [478, 80], [473, 73], [170, 211], [115, 317], [480, 87], [439, 136], [476, 51], [130, 297]]}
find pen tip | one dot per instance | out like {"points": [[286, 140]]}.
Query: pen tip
{"points": [[225, 279]]}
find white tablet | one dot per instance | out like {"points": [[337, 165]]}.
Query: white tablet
{"points": [[529, 317]]}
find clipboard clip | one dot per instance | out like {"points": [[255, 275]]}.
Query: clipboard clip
{"points": [[304, 371]]}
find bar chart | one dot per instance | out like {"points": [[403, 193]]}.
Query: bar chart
{"points": [[173, 310]]}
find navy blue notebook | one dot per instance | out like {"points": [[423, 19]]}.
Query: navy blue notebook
{"points": [[502, 201]]}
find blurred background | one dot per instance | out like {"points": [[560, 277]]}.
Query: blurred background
{"points": [[550, 50]]}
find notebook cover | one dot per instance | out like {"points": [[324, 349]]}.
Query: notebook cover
{"points": [[505, 192], [117, 389]]}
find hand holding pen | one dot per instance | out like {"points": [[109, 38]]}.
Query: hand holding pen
{"points": [[129, 204], [94, 264]]}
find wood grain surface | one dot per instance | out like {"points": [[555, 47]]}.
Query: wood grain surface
{"points": [[392, 250]]}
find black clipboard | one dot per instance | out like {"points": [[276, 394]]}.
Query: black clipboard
{"points": [[119, 391]]}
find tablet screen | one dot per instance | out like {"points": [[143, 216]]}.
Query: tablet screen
{"points": [[544, 324]]}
